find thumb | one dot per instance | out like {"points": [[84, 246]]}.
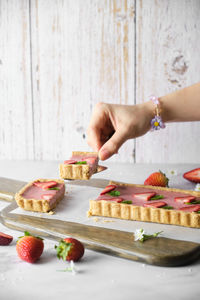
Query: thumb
{"points": [[112, 145]]}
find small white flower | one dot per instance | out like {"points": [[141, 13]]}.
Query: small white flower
{"points": [[139, 234], [171, 172], [197, 187], [72, 267]]}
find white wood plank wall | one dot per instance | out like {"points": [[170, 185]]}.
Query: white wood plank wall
{"points": [[59, 58]]}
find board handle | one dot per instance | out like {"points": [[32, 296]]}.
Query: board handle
{"points": [[6, 196], [8, 188]]}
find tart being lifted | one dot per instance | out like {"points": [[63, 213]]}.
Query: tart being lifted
{"points": [[81, 165], [148, 203], [41, 195]]}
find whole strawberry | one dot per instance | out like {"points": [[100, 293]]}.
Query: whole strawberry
{"points": [[157, 179], [29, 247], [70, 249]]}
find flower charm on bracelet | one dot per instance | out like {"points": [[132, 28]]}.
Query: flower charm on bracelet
{"points": [[157, 123]]}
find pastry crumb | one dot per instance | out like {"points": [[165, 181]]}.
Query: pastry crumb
{"points": [[89, 214], [96, 219], [108, 221], [51, 212]]}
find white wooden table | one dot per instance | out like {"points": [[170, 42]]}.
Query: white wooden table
{"points": [[99, 276]]}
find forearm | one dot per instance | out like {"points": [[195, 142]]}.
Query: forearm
{"points": [[182, 105], [111, 125]]}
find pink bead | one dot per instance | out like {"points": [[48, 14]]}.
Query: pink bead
{"points": [[154, 99]]}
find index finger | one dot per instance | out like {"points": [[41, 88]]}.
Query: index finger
{"points": [[94, 130]]}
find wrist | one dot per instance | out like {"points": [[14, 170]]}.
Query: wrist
{"points": [[167, 112]]}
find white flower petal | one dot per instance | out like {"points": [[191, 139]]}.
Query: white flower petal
{"points": [[197, 187], [138, 234]]}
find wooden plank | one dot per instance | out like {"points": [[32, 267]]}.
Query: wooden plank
{"points": [[168, 59], [16, 133], [83, 53], [158, 251]]}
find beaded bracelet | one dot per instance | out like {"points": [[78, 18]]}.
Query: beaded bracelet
{"points": [[157, 122]]}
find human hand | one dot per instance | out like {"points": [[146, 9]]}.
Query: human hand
{"points": [[112, 124]]}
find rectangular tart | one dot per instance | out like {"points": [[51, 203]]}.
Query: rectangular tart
{"points": [[81, 165], [41, 195], [133, 202]]}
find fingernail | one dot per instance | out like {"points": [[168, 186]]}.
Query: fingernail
{"points": [[104, 154]]}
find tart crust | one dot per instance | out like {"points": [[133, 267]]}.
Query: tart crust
{"points": [[34, 204], [81, 172], [147, 214]]}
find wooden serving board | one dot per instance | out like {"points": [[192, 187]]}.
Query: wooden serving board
{"points": [[159, 251]]}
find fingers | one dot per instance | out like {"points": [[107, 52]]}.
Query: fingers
{"points": [[100, 126], [112, 145], [94, 130], [94, 138]]}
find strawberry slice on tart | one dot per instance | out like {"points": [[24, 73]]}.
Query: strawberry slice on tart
{"points": [[70, 161], [191, 208], [115, 199], [186, 199], [45, 184], [155, 204], [144, 196], [38, 184], [49, 184], [108, 189], [90, 160]]}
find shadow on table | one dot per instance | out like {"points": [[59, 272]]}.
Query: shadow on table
{"points": [[94, 182]]}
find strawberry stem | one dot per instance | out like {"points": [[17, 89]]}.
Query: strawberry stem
{"points": [[63, 249], [26, 233]]}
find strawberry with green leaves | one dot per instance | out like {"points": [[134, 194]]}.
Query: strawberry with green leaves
{"points": [[157, 179], [29, 248], [70, 249]]}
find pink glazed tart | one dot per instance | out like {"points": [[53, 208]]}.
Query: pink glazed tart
{"points": [[81, 165], [41, 195], [148, 203]]}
